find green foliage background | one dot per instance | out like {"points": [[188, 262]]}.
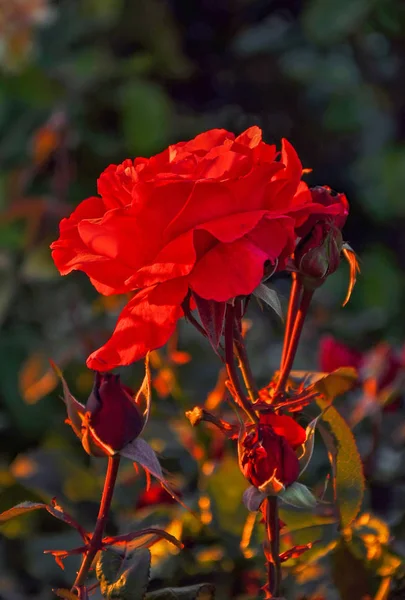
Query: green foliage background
{"points": [[112, 79]]}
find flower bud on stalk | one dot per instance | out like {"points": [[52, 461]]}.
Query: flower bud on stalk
{"points": [[321, 245], [113, 415], [318, 255], [267, 454]]}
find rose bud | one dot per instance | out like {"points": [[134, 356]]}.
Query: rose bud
{"points": [[267, 455], [112, 416], [318, 252], [318, 255]]}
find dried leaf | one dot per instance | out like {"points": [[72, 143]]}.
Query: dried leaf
{"points": [[36, 378]]}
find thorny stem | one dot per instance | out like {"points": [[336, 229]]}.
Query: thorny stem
{"points": [[293, 306], [273, 537], [244, 365], [230, 364], [96, 539], [294, 340]]}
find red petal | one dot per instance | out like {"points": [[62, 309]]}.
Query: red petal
{"points": [[146, 323], [228, 270], [70, 253], [287, 427], [116, 184], [174, 260], [275, 237]]}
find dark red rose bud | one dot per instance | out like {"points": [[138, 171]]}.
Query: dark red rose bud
{"points": [[112, 416], [318, 254], [268, 459]]}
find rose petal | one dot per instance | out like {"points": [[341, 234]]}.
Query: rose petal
{"points": [[287, 427], [70, 253], [146, 323], [228, 270]]}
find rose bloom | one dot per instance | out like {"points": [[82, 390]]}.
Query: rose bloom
{"points": [[202, 217], [268, 450]]}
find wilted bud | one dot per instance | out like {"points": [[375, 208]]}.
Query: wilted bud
{"points": [[318, 255], [112, 417], [267, 452]]}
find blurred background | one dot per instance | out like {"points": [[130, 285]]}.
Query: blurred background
{"points": [[86, 83]]}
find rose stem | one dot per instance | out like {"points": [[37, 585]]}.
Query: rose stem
{"points": [[273, 536], [271, 518], [244, 365], [96, 538], [294, 340], [230, 364], [293, 306]]}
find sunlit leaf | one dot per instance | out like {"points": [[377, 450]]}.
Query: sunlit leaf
{"points": [[308, 446], [65, 594], [329, 385], [298, 495], [124, 577], [348, 476], [75, 410], [145, 537]]}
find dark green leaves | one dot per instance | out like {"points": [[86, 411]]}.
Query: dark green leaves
{"points": [[124, 577], [201, 591]]}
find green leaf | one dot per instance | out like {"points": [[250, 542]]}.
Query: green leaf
{"points": [[124, 577], [269, 297], [108, 567], [201, 591], [309, 443], [146, 116], [225, 487], [298, 495], [348, 477], [329, 385]]}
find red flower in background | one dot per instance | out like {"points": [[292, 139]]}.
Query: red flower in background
{"points": [[334, 354], [267, 451], [204, 215], [379, 368]]}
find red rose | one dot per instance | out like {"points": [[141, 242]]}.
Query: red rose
{"points": [[267, 451], [204, 215], [334, 354], [380, 369]]}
